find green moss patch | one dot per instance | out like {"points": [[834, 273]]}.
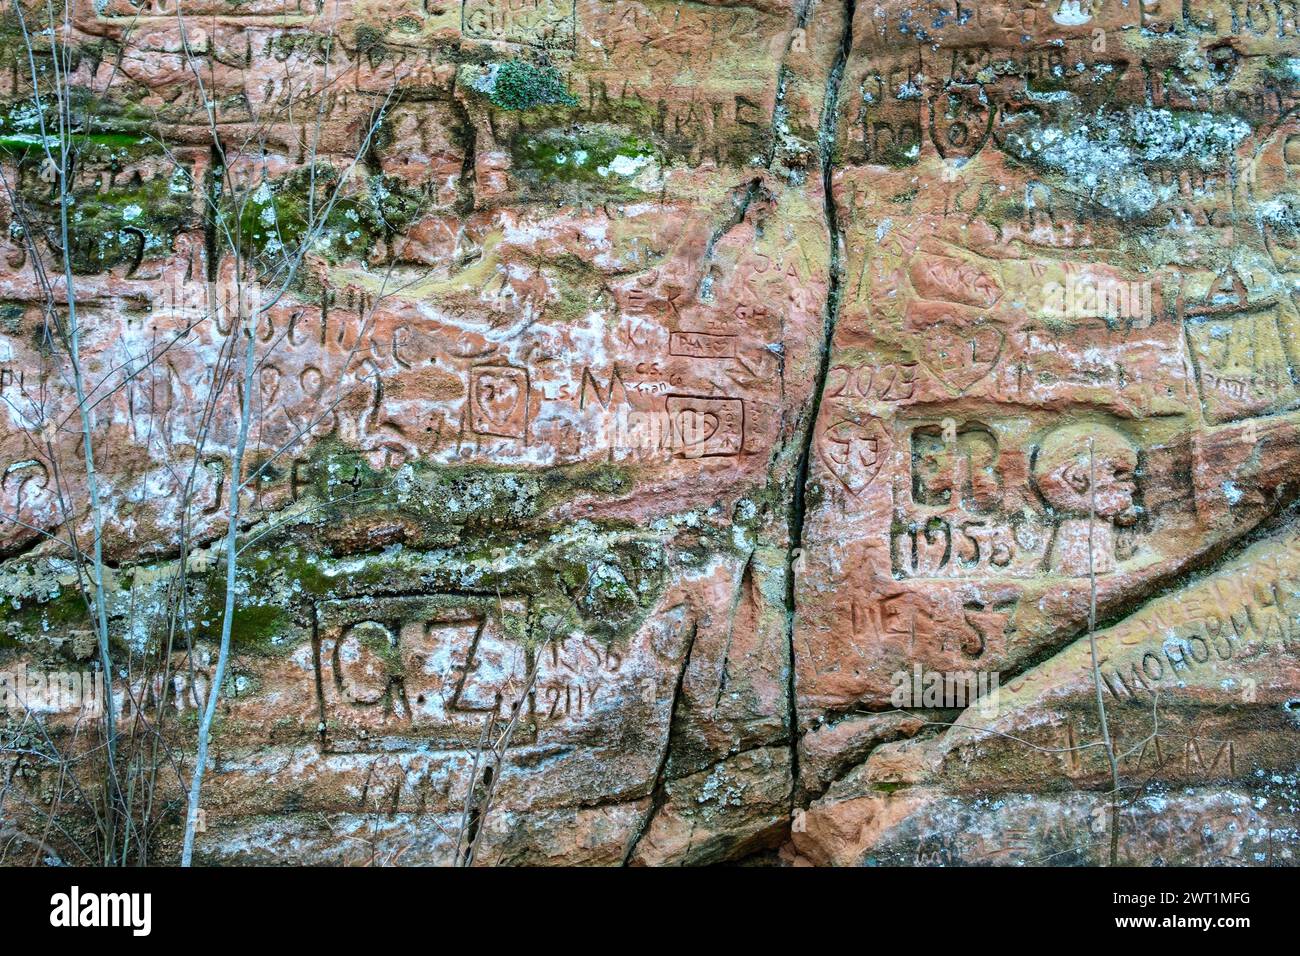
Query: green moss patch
{"points": [[120, 224], [282, 214], [599, 159], [126, 201], [519, 85]]}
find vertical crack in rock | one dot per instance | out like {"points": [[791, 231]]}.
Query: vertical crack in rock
{"points": [[661, 772], [740, 203], [826, 145], [779, 111], [211, 237], [466, 193], [742, 197], [744, 587]]}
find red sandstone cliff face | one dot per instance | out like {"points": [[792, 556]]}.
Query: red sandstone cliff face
{"points": [[652, 433]]}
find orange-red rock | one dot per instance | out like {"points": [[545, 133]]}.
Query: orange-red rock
{"points": [[767, 399]]}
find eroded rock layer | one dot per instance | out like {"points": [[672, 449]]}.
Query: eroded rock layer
{"points": [[797, 431]]}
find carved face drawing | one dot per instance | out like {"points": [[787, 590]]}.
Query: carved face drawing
{"points": [[1270, 181], [1282, 230], [1085, 466]]}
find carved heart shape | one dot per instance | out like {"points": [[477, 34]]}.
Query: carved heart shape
{"points": [[497, 397], [960, 356], [854, 451], [697, 427]]}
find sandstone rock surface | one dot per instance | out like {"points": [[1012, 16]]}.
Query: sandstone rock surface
{"points": [[672, 433]]}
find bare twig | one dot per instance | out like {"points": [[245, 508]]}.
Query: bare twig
{"points": [[1096, 667]]}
